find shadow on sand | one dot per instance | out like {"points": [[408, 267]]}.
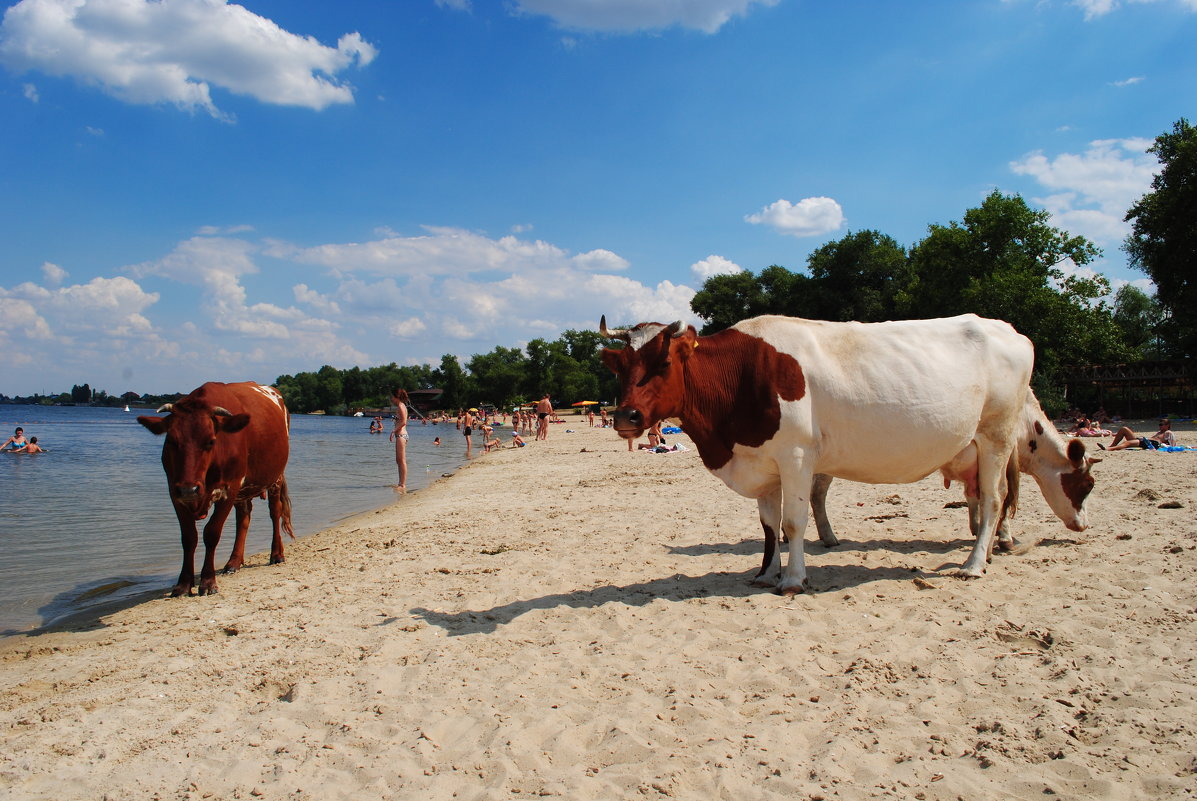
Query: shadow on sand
{"points": [[823, 578]]}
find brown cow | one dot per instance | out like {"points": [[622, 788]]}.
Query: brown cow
{"points": [[226, 444]]}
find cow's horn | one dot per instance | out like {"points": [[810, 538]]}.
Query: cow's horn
{"points": [[677, 329], [166, 407], [220, 411], [618, 333]]}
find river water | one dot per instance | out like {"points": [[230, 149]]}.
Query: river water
{"points": [[90, 521]]}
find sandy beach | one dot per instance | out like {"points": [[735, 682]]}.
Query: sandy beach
{"points": [[572, 620]]}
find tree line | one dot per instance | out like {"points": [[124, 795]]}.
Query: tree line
{"points": [[569, 369]]}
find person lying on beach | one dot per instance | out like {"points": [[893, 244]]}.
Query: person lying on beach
{"points": [[1125, 438]]}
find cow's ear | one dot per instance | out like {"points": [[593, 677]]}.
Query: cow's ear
{"points": [[159, 425], [231, 424], [1076, 452], [686, 343], [613, 358]]}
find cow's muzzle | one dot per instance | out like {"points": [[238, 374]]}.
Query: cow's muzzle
{"points": [[187, 493], [629, 423]]}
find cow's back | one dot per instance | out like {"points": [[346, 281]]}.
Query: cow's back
{"points": [[892, 402], [267, 437]]}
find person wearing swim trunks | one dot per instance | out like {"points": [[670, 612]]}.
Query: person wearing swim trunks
{"points": [[1126, 438], [543, 409], [399, 435], [467, 428]]}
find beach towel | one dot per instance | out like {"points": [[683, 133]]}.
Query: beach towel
{"points": [[1176, 448], [671, 430]]}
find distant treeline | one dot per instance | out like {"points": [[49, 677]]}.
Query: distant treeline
{"points": [[84, 395], [568, 369]]}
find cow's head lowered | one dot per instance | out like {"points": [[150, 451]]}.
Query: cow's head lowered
{"points": [[192, 454], [650, 368], [1066, 483]]}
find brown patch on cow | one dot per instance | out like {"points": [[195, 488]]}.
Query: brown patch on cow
{"points": [[1077, 485], [1039, 428], [734, 385], [1075, 451], [1034, 444]]}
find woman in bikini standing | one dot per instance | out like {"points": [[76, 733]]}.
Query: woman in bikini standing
{"points": [[399, 435]]}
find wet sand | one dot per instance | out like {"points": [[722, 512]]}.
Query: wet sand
{"points": [[573, 620]]}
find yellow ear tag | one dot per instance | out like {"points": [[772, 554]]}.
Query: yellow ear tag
{"points": [[695, 345]]}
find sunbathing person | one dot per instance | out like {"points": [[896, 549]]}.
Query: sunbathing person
{"points": [[1125, 438]]}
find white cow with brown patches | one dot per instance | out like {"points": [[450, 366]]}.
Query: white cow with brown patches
{"points": [[1061, 469]]}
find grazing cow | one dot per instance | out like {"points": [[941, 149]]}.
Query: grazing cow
{"points": [[772, 401], [226, 444], [1061, 469]]}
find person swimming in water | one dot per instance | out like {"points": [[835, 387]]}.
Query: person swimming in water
{"points": [[17, 440], [30, 447]]}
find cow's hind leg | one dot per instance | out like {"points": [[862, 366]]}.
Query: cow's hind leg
{"points": [[280, 518], [818, 507], [769, 507], [237, 557]]}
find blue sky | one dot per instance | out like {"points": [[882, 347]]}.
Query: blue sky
{"points": [[194, 190]]}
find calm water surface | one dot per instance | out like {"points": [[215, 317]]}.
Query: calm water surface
{"points": [[90, 521]]}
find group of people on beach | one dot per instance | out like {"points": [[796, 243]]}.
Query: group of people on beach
{"points": [[467, 421], [18, 444]]}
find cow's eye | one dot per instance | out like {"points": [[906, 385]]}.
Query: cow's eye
{"points": [[210, 444]]}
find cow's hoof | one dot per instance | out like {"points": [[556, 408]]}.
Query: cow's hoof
{"points": [[277, 560], [231, 568], [796, 589], [969, 573], [763, 583], [208, 589], [1006, 545], [180, 589]]}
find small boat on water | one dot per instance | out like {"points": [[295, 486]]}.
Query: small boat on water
{"points": [[126, 407]]}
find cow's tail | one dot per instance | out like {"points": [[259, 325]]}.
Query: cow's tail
{"points": [[284, 503], [1010, 504]]}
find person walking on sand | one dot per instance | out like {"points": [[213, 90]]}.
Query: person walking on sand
{"points": [[543, 409], [399, 435]]}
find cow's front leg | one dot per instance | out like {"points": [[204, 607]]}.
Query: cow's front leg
{"points": [[991, 489], [795, 506], [190, 539], [818, 507], [237, 557], [769, 507], [220, 513]]}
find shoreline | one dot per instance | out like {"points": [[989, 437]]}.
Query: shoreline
{"points": [[572, 620]]}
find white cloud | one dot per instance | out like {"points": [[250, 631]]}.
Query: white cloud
{"points": [[1091, 191], [1099, 8], [714, 265], [412, 326], [1128, 81], [30, 92], [53, 274], [623, 16], [173, 51], [810, 216]]}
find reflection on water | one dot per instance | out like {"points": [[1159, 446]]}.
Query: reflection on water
{"points": [[90, 521]]}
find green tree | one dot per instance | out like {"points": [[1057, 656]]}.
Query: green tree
{"points": [[1138, 316], [1163, 238], [865, 276], [453, 380], [498, 375]]}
